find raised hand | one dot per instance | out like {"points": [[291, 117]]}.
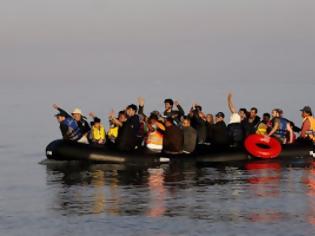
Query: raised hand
{"points": [[55, 106], [92, 114], [112, 114], [140, 101]]}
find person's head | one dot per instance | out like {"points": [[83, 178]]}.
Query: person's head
{"points": [[168, 104], [77, 114], [186, 121], [131, 110], [306, 112], [219, 117], [266, 118], [235, 118], [253, 112], [97, 122], [60, 117], [209, 118], [198, 108], [122, 117], [153, 118], [243, 113], [169, 122], [275, 113]]}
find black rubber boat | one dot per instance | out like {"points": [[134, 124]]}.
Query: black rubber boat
{"points": [[67, 151]]}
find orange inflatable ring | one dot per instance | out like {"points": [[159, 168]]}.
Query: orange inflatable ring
{"points": [[263, 146]]}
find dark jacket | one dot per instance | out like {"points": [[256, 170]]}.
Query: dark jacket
{"points": [[236, 134], [173, 139], [200, 125], [83, 124], [176, 115], [250, 127], [190, 139], [220, 134], [210, 131], [127, 134]]}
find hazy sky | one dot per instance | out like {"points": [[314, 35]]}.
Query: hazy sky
{"points": [[99, 54]]}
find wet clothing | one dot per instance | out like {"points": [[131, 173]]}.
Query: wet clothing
{"points": [[70, 129], [190, 139], [236, 135], [250, 127], [127, 134], [220, 134], [173, 140]]}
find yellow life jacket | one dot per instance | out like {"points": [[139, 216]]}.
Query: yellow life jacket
{"points": [[155, 139], [98, 134], [113, 132], [311, 132], [262, 129]]}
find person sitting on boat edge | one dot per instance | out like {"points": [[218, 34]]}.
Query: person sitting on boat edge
{"points": [[81, 121], [68, 126], [97, 134], [173, 139], [280, 127], [155, 134], [264, 125], [128, 130], [190, 136], [170, 112], [308, 125]]}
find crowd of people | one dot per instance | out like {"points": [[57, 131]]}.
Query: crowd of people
{"points": [[175, 131]]}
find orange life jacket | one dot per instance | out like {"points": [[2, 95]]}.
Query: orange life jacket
{"points": [[311, 132], [155, 139]]}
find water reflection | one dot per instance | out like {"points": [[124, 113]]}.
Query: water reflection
{"points": [[247, 192]]}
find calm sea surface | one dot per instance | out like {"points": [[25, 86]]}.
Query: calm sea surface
{"points": [[180, 198]]}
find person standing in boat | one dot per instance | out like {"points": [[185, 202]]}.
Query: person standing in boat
{"points": [[209, 125], [169, 112], [235, 131], [68, 126], [173, 139], [198, 122], [155, 134], [251, 123], [113, 130], [128, 130], [220, 131], [308, 125], [97, 134], [280, 127], [190, 136], [81, 121]]}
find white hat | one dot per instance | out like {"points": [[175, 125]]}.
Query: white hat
{"points": [[77, 111], [235, 118]]}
